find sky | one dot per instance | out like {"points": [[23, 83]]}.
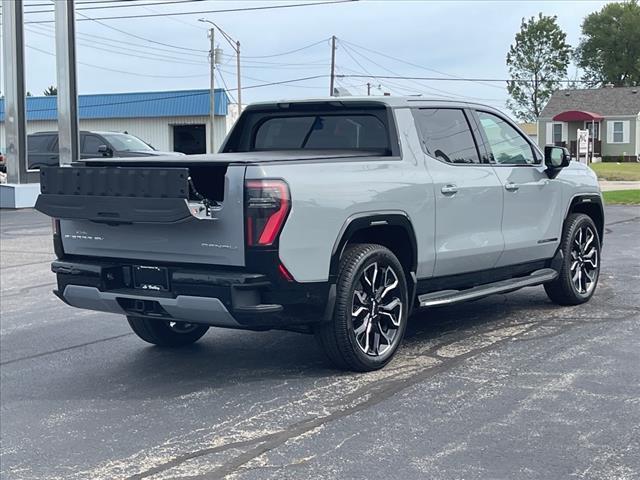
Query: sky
{"points": [[445, 39]]}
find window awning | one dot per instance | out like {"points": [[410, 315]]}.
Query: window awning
{"points": [[577, 116]]}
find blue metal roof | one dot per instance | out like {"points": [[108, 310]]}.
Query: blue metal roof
{"points": [[177, 103]]}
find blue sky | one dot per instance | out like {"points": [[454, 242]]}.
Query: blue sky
{"points": [[457, 38]]}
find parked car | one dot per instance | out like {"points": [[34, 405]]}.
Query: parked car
{"points": [[336, 217], [42, 147], [3, 162]]}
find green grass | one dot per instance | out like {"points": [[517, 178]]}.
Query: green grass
{"points": [[622, 197], [628, 171]]}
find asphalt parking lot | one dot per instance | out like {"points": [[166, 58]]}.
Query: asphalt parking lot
{"points": [[508, 387]]}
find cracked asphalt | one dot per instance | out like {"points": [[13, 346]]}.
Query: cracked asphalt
{"points": [[508, 387]]}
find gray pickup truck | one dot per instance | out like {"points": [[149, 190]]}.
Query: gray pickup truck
{"points": [[338, 217]]}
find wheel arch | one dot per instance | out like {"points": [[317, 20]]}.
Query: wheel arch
{"points": [[392, 229], [590, 205]]}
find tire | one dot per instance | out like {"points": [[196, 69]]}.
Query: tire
{"points": [[166, 334], [369, 322], [580, 270]]}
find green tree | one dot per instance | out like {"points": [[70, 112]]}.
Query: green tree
{"points": [[50, 91], [609, 50], [537, 61]]}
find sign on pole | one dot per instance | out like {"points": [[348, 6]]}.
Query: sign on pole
{"points": [[583, 145]]}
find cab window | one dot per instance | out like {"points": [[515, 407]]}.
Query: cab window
{"points": [[507, 145], [446, 135]]}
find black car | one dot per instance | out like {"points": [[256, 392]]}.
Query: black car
{"points": [[42, 147]]}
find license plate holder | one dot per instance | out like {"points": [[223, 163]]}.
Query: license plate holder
{"points": [[151, 278]]}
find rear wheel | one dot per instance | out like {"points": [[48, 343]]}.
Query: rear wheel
{"points": [[578, 276], [370, 316], [166, 333]]}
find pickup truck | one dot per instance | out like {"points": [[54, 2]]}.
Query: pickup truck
{"points": [[338, 217]]}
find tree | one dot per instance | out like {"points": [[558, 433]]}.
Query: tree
{"points": [[539, 58], [609, 50], [50, 91]]}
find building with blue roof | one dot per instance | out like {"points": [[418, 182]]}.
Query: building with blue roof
{"points": [[170, 121]]}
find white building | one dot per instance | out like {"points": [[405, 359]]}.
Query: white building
{"points": [[170, 121]]}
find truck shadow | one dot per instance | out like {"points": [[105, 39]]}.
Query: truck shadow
{"points": [[226, 358]]}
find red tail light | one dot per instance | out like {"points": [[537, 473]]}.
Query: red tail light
{"points": [[267, 205]]}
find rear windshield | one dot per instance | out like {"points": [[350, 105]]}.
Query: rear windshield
{"points": [[312, 129]]}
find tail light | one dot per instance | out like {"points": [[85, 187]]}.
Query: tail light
{"points": [[267, 205]]}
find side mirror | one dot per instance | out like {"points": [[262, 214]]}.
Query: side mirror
{"points": [[556, 158], [105, 151]]}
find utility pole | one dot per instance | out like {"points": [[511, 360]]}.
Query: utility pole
{"points": [[333, 64], [238, 75], [368, 89], [236, 47], [212, 94]]}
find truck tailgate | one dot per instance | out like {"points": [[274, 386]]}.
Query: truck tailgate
{"points": [[148, 213]]}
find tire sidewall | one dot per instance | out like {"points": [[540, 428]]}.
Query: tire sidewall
{"points": [[581, 221], [385, 258]]}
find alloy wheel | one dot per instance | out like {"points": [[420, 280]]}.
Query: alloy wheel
{"points": [[585, 262], [376, 313]]}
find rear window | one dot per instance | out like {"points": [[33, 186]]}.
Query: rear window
{"points": [[314, 126], [321, 132]]}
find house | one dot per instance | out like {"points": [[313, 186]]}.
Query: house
{"points": [[611, 114], [170, 121], [531, 129]]}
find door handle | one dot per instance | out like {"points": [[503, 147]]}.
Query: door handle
{"points": [[511, 187], [449, 189]]}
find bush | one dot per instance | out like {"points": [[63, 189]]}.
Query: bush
{"points": [[619, 158]]}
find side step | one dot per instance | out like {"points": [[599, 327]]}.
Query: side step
{"points": [[449, 297]]}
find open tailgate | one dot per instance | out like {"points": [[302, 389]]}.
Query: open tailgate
{"points": [[148, 213]]}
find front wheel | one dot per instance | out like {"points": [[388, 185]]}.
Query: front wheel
{"points": [[371, 310], [578, 275], [166, 333]]}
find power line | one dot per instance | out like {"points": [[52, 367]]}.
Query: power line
{"points": [[408, 63], [456, 79], [92, 37], [442, 93], [122, 51], [124, 72], [201, 12], [186, 95], [133, 34], [290, 51], [127, 5]]}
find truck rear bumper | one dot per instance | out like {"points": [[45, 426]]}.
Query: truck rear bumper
{"points": [[228, 298], [202, 310]]}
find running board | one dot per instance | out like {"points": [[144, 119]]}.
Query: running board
{"points": [[449, 297]]}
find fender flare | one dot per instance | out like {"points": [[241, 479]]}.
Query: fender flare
{"points": [[361, 221], [587, 198]]}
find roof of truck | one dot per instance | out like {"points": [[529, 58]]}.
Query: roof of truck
{"points": [[391, 101]]}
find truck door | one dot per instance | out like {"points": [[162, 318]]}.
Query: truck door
{"points": [[532, 216], [468, 193]]}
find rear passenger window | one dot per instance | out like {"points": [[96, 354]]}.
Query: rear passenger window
{"points": [[39, 143], [447, 135]]}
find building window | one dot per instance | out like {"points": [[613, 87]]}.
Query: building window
{"points": [[618, 132], [593, 127], [557, 133]]}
